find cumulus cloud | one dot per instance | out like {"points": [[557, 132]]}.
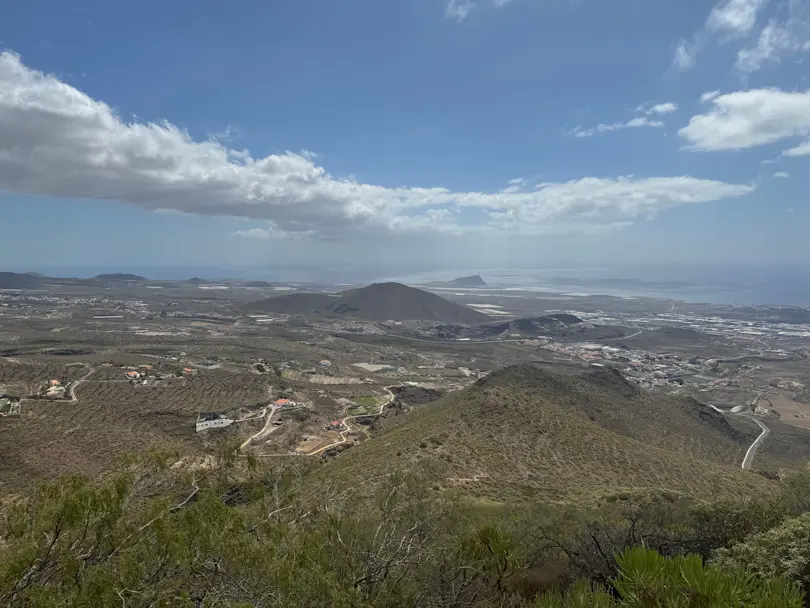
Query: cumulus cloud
{"points": [[458, 9], [745, 119], [635, 123], [781, 174], [59, 142], [778, 39]]}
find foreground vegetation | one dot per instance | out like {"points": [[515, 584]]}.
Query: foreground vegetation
{"points": [[244, 534]]}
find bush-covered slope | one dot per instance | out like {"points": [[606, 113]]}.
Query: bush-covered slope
{"points": [[526, 433]]}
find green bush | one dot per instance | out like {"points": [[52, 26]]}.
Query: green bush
{"points": [[783, 550], [649, 580]]}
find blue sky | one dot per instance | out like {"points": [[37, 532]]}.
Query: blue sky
{"points": [[425, 132]]}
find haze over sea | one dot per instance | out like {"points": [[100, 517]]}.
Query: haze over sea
{"points": [[719, 284], [768, 283]]}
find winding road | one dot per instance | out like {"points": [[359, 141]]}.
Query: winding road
{"points": [[752, 451], [345, 422], [83, 379], [264, 431]]}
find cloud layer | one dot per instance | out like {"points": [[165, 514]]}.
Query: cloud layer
{"points": [[59, 142]]}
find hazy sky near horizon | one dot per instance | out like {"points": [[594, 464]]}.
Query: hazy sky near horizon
{"points": [[442, 132]]}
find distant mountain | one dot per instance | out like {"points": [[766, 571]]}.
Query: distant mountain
{"points": [[473, 281], [197, 281], [527, 432], [258, 284], [38, 275], [377, 302], [119, 276], [15, 280]]}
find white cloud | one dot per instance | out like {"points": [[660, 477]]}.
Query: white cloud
{"points": [[709, 96], [800, 150], [59, 142], [745, 119], [729, 19], [500, 3], [663, 108], [734, 17], [634, 123], [778, 39], [458, 9], [685, 55], [781, 174]]}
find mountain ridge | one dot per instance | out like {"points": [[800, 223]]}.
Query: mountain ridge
{"points": [[375, 302], [528, 433]]}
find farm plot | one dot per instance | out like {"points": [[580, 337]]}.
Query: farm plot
{"points": [[111, 419], [366, 406], [296, 376]]}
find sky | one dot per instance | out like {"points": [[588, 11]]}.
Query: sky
{"points": [[403, 133]]}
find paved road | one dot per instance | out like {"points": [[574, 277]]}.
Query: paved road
{"points": [[264, 431], [75, 385], [752, 451]]}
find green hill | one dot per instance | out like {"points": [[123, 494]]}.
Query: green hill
{"points": [[529, 433]]}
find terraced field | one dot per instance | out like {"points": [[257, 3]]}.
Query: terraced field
{"points": [[19, 373], [113, 418]]}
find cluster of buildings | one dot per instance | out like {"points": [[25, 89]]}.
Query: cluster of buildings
{"points": [[641, 367]]}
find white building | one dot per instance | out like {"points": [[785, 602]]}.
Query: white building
{"points": [[207, 421]]}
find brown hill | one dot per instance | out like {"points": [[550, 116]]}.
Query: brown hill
{"points": [[528, 433], [377, 302], [473, 281]]}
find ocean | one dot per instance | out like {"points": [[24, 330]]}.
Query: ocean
{"points": [[783, 284]]}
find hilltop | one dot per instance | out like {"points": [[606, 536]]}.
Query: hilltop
{"points": [[377, 302], [529, 433], [15, 280], [472, 281]]}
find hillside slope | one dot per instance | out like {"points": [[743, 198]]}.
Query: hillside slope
{"points": [[377, 302], [526, 432]]}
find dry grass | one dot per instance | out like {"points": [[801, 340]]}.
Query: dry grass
{"points": [[529, 434]]}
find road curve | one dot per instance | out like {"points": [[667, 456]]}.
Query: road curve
{"points": [[75, 385], [752, 451]]}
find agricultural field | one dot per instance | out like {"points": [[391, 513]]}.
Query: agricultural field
{"points": [[366, 405], [111, 418], [296, 376]]}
